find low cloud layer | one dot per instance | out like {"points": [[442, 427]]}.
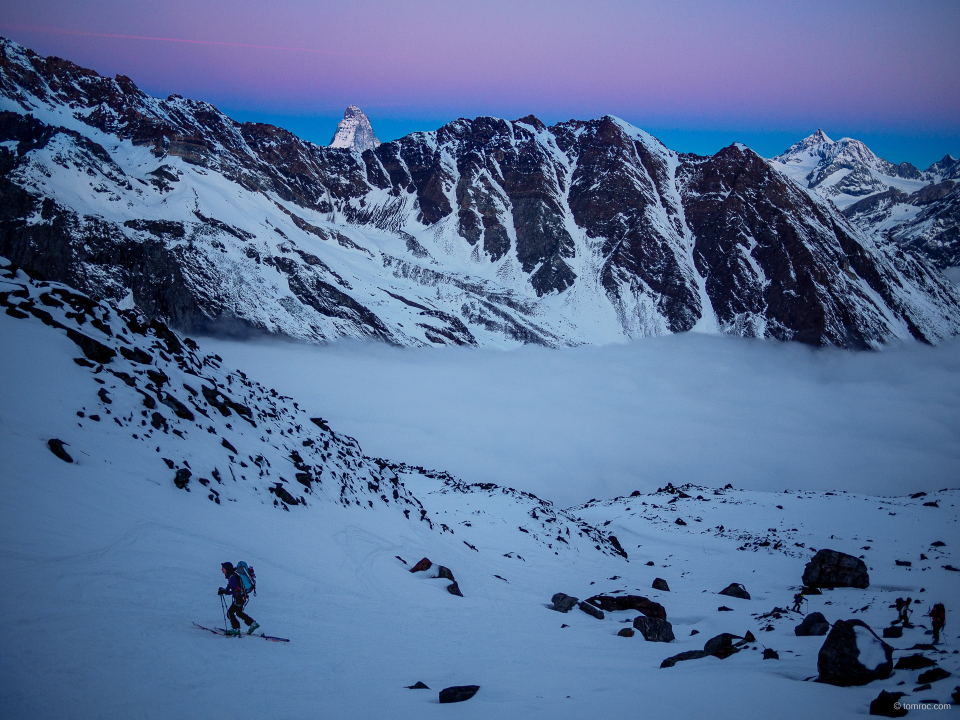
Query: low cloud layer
{"points": [[570, 425]]}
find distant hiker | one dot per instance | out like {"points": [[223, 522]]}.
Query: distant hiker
{"points": [[898, 604], [939, 617], [797, 600], [905, 611], [235, 587]]}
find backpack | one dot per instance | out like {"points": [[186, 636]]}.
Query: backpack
{"points": [[248, 578], [939, 614]]}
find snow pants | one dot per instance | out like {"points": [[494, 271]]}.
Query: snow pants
{"points": [[236, 611]]}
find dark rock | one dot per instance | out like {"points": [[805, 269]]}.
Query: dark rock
{"points": [[749, 637], [661, 584], [830, 568], [914, 662], [920, 688], [687, 655], [228, 445], [839, 659], [458, 693], [903, 563], [445, 573], [56, 447], [735, 590], [724, 608], [625, 632], [591, 610], [770, 654], [813, 624], [104, 396], [956, 695], [424, 564], [894, 631], [887, 705], [722, 645], [182, 478], [933, 675], [283, 494], [417, 686], [614, 603], [654, 629], [564, 603], [454, 589], [649, 563], [92, 349], [951, 568]]}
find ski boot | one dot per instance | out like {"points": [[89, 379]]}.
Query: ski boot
{"points": [[252, 628], [233, 632]]}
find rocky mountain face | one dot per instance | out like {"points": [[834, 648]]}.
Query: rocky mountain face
{"points": [[355, 132], [914, 209], [485, 232]]}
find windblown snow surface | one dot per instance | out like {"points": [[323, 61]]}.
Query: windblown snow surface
{"points": [[106, 563]]}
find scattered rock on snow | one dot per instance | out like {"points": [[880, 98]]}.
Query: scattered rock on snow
{"points": [[454, 589], [56, 447], [687, 655], [424, 564], [613, 603], [736, 590], [661, 584], [914, 662], [770, 654], [591, 610], [852, 654], [182, 478], [933, 675], [724, 608], [894, 631], [813, 624], [564, 603], [445, 573], [829, 568], [722, 645], [417, 686], [887, 705], [458, 693], [625, 632], [654, 629]]}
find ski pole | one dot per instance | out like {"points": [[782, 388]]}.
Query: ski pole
{"points": [[223, 607]]}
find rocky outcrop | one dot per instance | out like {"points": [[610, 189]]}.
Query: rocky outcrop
{"points": [[831, 569], [654, 629], [813, 624], [563, 603], [354, 132], [618, 603], [736, 590], [458, 693]]}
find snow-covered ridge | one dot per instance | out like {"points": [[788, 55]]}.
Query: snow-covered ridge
{"points": [[486, 232]]}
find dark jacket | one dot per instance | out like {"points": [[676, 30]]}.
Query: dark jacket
{"points": [[235, 588]]}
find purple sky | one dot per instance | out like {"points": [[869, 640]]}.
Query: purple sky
{"points": [[696, 73]]}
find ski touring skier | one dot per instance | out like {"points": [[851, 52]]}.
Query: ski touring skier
{"points": [[235, 588], [939, 617], [797, 601]]}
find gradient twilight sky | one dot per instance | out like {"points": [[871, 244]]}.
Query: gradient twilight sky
{"points": [[697, 74]]}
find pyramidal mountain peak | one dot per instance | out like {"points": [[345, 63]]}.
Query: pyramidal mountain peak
{"points": [[355, 132]]}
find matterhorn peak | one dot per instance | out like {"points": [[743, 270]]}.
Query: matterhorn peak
{"points": [[818, 137], [354, 131]]}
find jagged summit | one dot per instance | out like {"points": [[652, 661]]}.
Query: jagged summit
{"points": [[355, 131]]}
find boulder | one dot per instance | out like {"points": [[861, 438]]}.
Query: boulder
{"points": [[736, 590], [829, 568], [887, 705], [591, 610], [722, 646], [625, 632], [770, 654], [724, 608], [687, 655], [564, 603], [613, 603], [182, 478], [852, 654], [933, 675], [56, 447], [445, 573], [914, 662], [813, 624], [418, 686], [749, 637], [458, 693], [661, 584], [956, 695], [654, 629], [424, 564], [454, 589], [894, 631]]}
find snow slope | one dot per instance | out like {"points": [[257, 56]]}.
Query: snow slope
{"points": [[108, 562]]}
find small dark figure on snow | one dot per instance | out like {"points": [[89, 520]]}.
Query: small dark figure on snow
{"points": [[797, 601], [235, 588], [905, 611], [939, 617]]}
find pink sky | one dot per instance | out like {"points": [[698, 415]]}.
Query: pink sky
{"points": [[873, 66]]}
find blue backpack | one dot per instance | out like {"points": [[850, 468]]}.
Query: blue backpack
{"points": [[248, 578]]}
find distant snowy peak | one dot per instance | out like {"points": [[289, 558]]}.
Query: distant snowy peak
{"points": [[355, 132]]}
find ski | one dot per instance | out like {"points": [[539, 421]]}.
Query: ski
{"points": [[222, 633]]}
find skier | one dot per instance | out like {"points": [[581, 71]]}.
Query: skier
{"points": [[235, 588], [797, 600], [905, 613], [939, 617]]}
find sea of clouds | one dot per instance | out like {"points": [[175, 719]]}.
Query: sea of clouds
{"points": [[596, 422]]}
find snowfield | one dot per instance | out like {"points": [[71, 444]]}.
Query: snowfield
{"points": [[107, 562]]}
